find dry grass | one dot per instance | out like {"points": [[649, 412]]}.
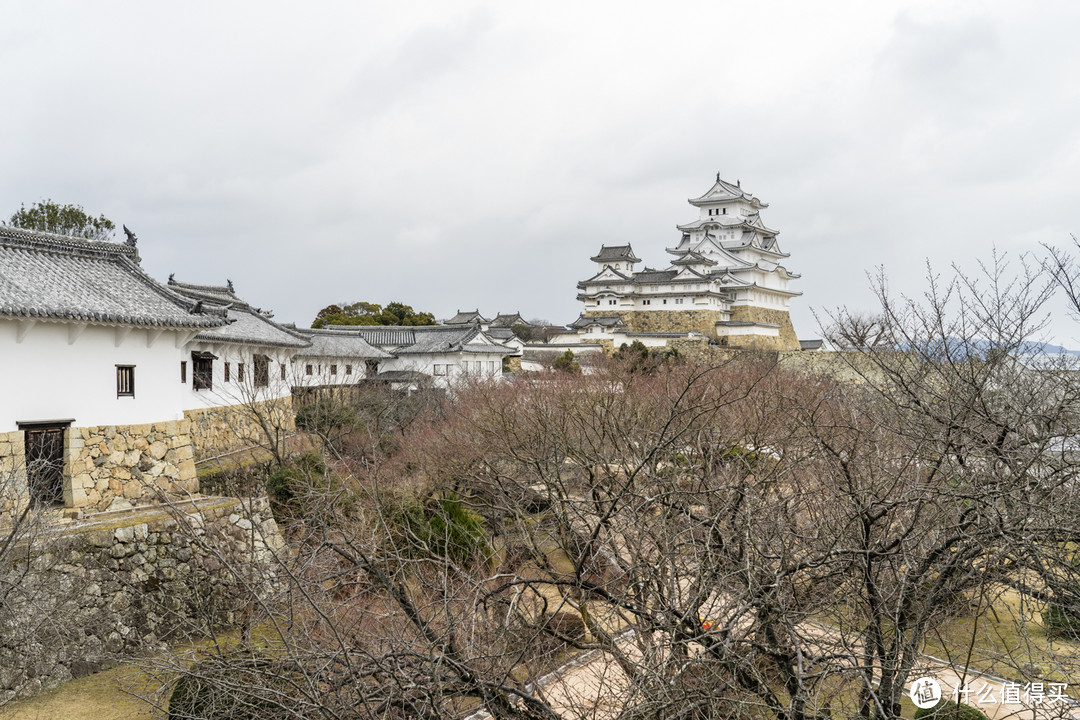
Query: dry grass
{"points": [[100, 696], [1004, 638]]}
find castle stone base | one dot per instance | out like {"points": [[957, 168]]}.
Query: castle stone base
{"points": [[785, 342], [704, 322]]}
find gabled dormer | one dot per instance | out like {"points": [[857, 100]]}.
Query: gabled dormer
{"points": [[725, 200], [618, 257]]}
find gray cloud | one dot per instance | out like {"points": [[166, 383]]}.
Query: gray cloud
{"points": [[472, 154]]}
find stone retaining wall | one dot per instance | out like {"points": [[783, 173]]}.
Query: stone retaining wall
{"points": [[220, 430], [13, 490], [118, 466], [87, 594], [702, 321], [787, 341]]}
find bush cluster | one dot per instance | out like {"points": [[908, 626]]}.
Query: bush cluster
{"points": [[949, 710]]}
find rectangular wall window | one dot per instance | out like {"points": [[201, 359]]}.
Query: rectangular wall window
{"points": [[125, 381], [239, 372], [307, 369], [333, 369], [348, 369], [202, 371], [227, 374], [283, 372], [262, 371], [183, 371], [439, 369]]}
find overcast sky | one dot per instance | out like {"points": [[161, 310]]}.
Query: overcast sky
{"points": [[467, 154]]}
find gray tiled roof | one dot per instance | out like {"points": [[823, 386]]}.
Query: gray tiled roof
{"points": [[508, 320], [655, 276], [426, 339], [467, 317], [335, 343], [62, 278], [499, 333], [609, 321], [247, 324], [402, 376], [379, 335], [693, 258], [729, 190], [611, 253], [250, 327]]}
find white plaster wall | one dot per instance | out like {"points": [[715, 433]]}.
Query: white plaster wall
{"points": [[723, 331], [457, 369], [235, 392], [320, 371], [47, 378]]}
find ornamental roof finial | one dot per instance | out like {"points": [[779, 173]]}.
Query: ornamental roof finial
{"points": [[717, 176], [738, 183]]}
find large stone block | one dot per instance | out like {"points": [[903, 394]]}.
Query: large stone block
{"points": [[787, 339], [666, 321]]}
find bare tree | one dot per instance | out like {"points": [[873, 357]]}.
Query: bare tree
{"points": [[731, 539], [853, 330]]}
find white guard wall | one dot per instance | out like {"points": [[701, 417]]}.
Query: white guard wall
{"points": [[235, 391], [452, 367], [57, 372], [328, 370]]}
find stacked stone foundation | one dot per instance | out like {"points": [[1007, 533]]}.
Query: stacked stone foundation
{"points": [[704, 322], [13, 490], [84, 596], [220, 430], [119, 466], [786, 341], [108, 467]]}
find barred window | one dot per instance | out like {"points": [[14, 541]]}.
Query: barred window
{"points": [[262, 371], [202, 370], [125, 381]]}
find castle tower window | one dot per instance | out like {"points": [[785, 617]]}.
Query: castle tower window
{"points": [[239, 372], [227, 371], [183, 371]]}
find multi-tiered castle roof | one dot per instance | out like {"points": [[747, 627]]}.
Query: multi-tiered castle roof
{"points": [[726, 277]]}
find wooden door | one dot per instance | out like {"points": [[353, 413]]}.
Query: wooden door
{"points": [[45, 463]]}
